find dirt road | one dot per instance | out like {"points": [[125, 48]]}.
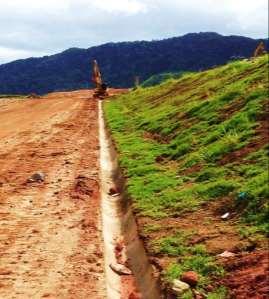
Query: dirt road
{"points": [[50, 234]]}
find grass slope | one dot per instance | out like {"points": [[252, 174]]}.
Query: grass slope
{"points": [[193, 140], [7, 96], [160, 78]]}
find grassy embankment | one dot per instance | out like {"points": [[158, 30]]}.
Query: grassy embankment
{"points": [[159, 78], [11, 96], [8, 96], [192, 141]]}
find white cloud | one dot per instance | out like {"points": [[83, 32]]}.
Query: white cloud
{"points": [[250, 14], [9, 54], [121, 6], [34, 6], [49, 26]]}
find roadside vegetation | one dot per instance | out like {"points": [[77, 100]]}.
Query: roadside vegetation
{"points": [[7, 96], [192, 141]]}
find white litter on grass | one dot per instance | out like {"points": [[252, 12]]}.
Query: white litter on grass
{"points": [[226, 254], [225, 216]]}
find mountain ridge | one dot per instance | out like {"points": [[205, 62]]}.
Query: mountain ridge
{"points": [[71, 68]]}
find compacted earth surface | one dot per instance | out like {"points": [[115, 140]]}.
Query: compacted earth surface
{"points": [[50, 234]]}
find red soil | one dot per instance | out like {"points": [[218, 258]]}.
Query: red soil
{"points": [[248, 275], [246, 271], [51, 245]]}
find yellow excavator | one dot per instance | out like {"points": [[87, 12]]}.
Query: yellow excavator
{"points": [[260, 50], [101, 87]]}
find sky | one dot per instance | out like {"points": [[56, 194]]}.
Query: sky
{"points": [[33, 28]]}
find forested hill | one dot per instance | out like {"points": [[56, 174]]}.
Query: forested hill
{"points": [[120, 62]]}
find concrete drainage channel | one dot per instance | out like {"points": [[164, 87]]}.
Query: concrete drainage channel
{"points": [[123, 251]]}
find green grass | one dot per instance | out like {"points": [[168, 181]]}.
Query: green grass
{"points": [[149, 228], [172, 245], [220, 293], [7, 96], [172, 140], [189, 258], [162, 132], [203, 264], [160, 78], [194, 258]]}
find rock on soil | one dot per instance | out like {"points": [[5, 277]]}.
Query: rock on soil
{"points": [[190, 278], [179, 287], [37, 177], [120, 269]]}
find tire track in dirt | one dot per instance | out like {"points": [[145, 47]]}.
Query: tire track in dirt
{"points": [[50, 235]]}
